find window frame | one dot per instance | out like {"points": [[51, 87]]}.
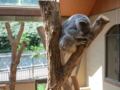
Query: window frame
{"points": [[20, 10], [107, 79], [40, 81]]}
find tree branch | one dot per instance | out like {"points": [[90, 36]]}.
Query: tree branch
{"points": [[9, 32], [52, 20], [41, 33], [20, 52], [20, 33], [97, 27]]}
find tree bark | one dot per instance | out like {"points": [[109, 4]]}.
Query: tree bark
{"points": [[52, 22], [15, 56], [58, 73], [41, 32], [97, 27]]}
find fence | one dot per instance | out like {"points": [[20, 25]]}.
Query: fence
{"points": [[28, 68], [26, 74]]}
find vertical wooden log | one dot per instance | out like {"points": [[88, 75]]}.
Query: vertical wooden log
{"points": [[52, 26], [75, 82]]}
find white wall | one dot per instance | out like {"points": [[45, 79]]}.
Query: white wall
{"points": [[95, 55]]}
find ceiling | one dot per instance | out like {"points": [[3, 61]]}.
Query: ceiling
{"points": [[70, 7]]}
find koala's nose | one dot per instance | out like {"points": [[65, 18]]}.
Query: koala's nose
{"points": [[81, 33]]}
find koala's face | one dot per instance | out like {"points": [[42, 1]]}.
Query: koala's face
{"points": [[84, 28], [83, 25]]}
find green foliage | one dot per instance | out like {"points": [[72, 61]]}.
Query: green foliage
{"points": [[4, 42], [41, 86], [29, 35], [36, 50]]}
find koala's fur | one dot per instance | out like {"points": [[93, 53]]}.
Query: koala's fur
{"points": [[74, 32]]}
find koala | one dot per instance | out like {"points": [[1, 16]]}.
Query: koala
{"points": [[75, 31]]}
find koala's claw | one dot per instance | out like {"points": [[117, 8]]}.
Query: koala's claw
{"points": [[90, 37], [83, 42]]}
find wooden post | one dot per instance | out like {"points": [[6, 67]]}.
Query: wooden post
{"points": [[58, 73], [75, 82], [15, 56]]}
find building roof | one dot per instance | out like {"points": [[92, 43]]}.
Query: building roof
{"points": [[68, 8]]}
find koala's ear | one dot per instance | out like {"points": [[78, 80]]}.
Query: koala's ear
{"points": [[83, 23]]}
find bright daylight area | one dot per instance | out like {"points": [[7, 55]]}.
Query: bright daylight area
{"points": [[59, 45], [19, 2]]}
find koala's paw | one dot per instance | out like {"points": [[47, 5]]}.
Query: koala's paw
{"points": [[83, 42], [90, 37]]}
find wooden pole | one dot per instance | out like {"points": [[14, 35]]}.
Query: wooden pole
{"points": [[75, 82]]}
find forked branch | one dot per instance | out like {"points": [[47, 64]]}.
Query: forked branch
{"points": [[97, 27], [15, 56], [20, 33], [9, 33]]}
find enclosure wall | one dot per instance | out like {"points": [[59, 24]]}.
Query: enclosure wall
{"points": [[96, 56]]}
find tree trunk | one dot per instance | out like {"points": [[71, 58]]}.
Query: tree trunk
{"points": [[41, 33], [52, 22], [58, 73]]}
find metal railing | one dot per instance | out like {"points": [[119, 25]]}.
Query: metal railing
{"points": [[27, 69], [26, 74]]}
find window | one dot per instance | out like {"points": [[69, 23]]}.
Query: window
{"points": [[19, 8], [40, 84], [19, 2], [113, 53]]}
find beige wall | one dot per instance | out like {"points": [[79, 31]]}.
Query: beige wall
{"points": [[81, 73], [23, 86], [81, 76], [95, 56]]}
